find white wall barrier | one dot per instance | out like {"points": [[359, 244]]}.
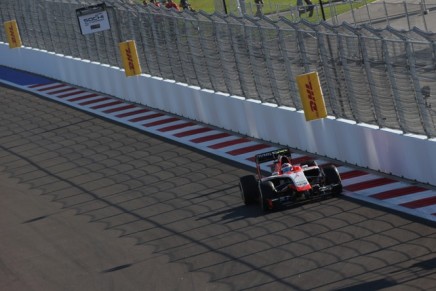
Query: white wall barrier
{"points": [[387, 151]]}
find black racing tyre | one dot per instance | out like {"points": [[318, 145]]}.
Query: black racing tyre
{"points": [[333, 178], [267, 191], [249, 189], [310, 163]]}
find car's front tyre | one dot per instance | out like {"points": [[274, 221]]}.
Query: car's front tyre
{"points": [[333, 178], [266, 192]]}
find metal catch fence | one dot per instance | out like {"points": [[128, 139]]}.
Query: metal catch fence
{"points": [[382, 77]]}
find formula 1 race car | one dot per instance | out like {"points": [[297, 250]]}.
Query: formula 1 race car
{"points": [[288, 184]]}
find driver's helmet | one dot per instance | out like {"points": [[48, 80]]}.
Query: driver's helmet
{"points": [[286, 167]]}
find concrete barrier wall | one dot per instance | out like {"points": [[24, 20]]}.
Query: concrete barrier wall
{"points": [[411, 157]]}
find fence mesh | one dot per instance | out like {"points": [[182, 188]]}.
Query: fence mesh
{"points": [[384, 77]]}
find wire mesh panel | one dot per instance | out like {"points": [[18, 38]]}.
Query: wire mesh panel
{"points": [[154, 39], [359, 92], [259, 62], [66, 33], [187, 31], [312, 51], [147, 52], [373, 49], [293, 51], [192, 54], [162, 51], [40, 25], [227, 55], [423, 54], [171, 32], [26, 19], [275, 62], [398, 67], [210, 55], [241, 52], [338, 99]]}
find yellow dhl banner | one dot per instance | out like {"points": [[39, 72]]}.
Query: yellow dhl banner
{"points": [[130, 59], [311, 96], [12, 33]]}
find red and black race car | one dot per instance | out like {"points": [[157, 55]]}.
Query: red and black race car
{"points": [[288, 184]]}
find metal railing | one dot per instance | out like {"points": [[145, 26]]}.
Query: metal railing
{"points": [[379, 77], [398, 14]]}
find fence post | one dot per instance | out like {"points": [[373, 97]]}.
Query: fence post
{"points": [[367, 10], [407, 14], [393, 82], [424, 6], [334, 12], [386, 12], [366, 61], [322, 9], [424, 13], [425, 117], [352, 12]]}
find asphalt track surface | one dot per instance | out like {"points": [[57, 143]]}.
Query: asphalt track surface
{"points": [[88, 204], [387, 191]]}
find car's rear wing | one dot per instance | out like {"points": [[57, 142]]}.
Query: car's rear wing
{"points": [[272, 155]]}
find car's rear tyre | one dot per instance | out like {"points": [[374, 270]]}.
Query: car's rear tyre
{"points": [[333, 178], [266, 192], [249, 189]]}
